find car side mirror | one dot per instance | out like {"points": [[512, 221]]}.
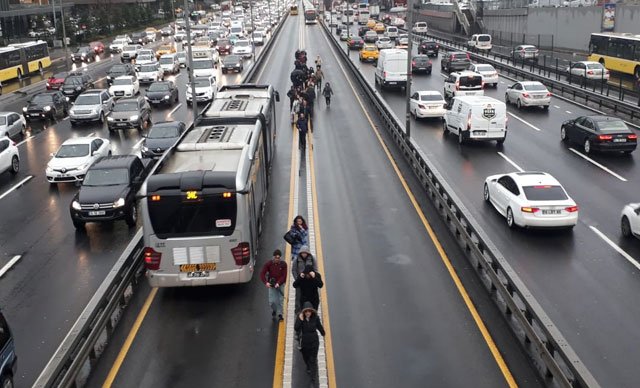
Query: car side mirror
{"points": [[637, 210], [510, 87], [53, 154]]}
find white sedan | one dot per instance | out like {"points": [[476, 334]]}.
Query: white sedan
{"points": [[125, 86], [630, 220], [589, 70], [489, 73], [384, 42], [531, 199], [74, 157], [528, 93], [12, 124], [150, 73], [427, 103], [9, 156]]}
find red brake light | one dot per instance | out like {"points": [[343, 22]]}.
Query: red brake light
{"points": [[571, 209], [152, 259], [548, 94], [590, 72], [469, 121], [605, 137], [457, 85], [241, 253], [527, 209], [421, 106], [632, 137], [413, 63], [468, 56], [525, 95]]}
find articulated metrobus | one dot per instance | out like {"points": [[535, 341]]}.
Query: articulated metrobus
{"points": [[20, 59], [203, 205], [616, 51], [310, 13]]}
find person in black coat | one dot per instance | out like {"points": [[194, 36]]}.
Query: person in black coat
{"points": [[308, 325], [302, 125], [309, 284]]}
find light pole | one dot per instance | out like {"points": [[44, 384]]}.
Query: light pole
{"points": [[252, 26], [55, 23], [194, 100], [409, 26], [64, 36]]}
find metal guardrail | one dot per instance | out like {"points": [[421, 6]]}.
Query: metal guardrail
{"points": [[556, 361], [73, 361]]}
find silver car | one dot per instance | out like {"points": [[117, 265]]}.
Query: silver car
{"points": [[384, 42], [92, 105], [11, 124]]}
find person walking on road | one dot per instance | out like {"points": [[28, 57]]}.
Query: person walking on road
{"points": [[292, 96], [327, 92], [303, 127], [274, 275], [300, 230], [309, 284], [298, 266], [307, 327], [319, 77], [318, 61]]}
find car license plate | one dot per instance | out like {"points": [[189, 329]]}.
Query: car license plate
{"points": [[392, 83], [620, 140], [480, 133], [204, 267], [550, 212], [97, 213]]}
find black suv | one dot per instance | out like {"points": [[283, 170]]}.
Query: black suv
{"points": [[108, 192], [119, 70], [9, 365], [83, 54], [130, 113], [429, 47], [46, 105], [455, 61], [75, 84]]}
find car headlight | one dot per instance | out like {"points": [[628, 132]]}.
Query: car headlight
{"points": [[76, 205], [134, 118], [49, 169], [72, 112], [47, 108], [167, 97], [109, 118], [145, 149], [78, 88], [119, 203], [24, 109]]}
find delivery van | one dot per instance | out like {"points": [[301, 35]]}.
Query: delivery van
{"points": [[476, 118], [391, 70]]}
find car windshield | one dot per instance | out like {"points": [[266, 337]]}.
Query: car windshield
{"points": [[104, 177], [232, 59], [369, 49], [148, 68], [158, 87], [126, 106], [88, 99], [166, 61], [460, 56], [430, 97], [236, 30], [242, 43], [162, 132], [530, 49], [42, 99], [122, 81], [485, 68], [470, 81], [612, 126], [118, 69], [224, 42], [73, 81], [145, 57], [544, 193], [203, 64], [202, 83], [81, 50], [535, 88], [59, 75], [129, 48], [257, 35], [73, 151]]}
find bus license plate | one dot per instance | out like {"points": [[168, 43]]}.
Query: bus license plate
{"points": [[197, 267], [198, 274]]}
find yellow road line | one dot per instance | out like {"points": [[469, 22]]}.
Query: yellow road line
{"points": [[328, 343], [132, 335], [443, 256]]}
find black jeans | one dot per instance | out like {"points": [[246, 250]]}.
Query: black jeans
{"points": [[310, 357]]}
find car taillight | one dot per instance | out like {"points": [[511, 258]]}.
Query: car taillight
{"points": [[430, 62], [527, 209], [548, 94], [525, 95], [152, 259], [590, 72], [632, 137], [605, 137], [469, 121], [457, 85], [241, 253], [384, 74], [437, 46], [468, 56], [413, 63], [482, 85], [571, 209]]}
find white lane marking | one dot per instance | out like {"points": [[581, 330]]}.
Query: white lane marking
{"points": [[10, 264], [443, 75], [511, 162], [524, 121], [615, 247], [175, 109], [502, 82], [138, 144], [66, 118], [92, 134], [22, 182], [100, 79], [585, 157], [568, 111], [556, 106], [25, 140]]}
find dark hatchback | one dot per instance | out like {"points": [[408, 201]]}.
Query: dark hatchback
{"points": [[429, 48], [108, 192], [599, 133], [83, 54], [421, 64], [46, 105], [355, 43], [74, 85], [162, 136], [119, 70], [455, 61], [162, 92], [232, 63], [224, 46], [9, 365]]}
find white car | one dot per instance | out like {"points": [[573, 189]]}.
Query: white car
{"points": [[117, 45], [398, 22], [150, 73], [74, 157], [427, 103], [489, 73], [384, 42], [180, 36], [528, 93], [243, 47], [145, 59], [531, 199], [12, 124], [124, 86], [206, 88], [464, 83], [258, 38], [151, 36], [589, 70], [130, 52], [9, 156], [182, 58], [630, 220], [420, 28]]}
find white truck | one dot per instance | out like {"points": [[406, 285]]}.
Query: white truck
{"points": [[204, 63]]}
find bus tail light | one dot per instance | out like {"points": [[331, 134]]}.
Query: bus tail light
{"points": [[241, 253], [152, 259]]}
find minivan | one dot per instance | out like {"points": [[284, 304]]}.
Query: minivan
{"points": [[392, 32], [480, 42], [476, 118], [391, 70]]}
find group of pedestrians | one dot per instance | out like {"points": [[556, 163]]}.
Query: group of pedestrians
{"points": [[307, 282]]}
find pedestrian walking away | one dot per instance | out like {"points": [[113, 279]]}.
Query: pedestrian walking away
{"points": [[309, 284], [274, 276], [307, 326], [292, 96], [327, 92]]}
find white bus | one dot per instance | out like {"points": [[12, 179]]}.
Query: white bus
{"points": [[310, 13], [203, 205], [348, 16], [363, 17]]}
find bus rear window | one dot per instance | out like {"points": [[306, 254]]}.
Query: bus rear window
{"points": [[177, 216]]}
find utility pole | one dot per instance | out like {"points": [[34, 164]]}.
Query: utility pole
{"points": [[55, 23], [252, 26], [187, 20], [64, 36], [409, 26]]}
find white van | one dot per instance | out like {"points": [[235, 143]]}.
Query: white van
{"points": [[391, 70], [476, 118], [480, 42], [392, 32]]}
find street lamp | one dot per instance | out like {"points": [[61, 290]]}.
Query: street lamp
{"points": [[187, 20], [64, 36], [252, 26], [409, 27]]}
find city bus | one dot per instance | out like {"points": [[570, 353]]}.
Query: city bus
{"points": [[203, 205], [21, 59], [310, 13], [616, 51], [293, 10]]}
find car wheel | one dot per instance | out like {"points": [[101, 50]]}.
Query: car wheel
{"points": [[7, 382], [506, 98], [510, 221], [445, 129], [101, 117], [625, 227], [545, 107], [563, 134], [132, 216], [587, 146], [519, 104], [15, 165], [485, 193], [23, 131], [460, 137]]}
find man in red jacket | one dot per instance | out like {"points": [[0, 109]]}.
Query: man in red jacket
{"points": [[274, 275]]}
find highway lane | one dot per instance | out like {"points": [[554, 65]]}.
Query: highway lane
{"points": [[586, 287], [60, 268]]}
